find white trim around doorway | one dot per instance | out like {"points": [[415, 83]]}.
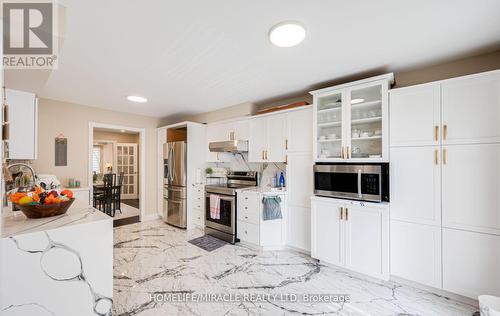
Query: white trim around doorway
{"points": [[142, 160]]}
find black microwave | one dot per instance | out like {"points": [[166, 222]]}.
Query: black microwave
{"points": [[365, 182]]}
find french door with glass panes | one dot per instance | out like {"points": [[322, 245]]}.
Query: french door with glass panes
{"points": [[127, 163]]}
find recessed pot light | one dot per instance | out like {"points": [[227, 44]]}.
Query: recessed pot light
{"points": [[123, 131], [136, 98], [287, 34], [356, 101]]}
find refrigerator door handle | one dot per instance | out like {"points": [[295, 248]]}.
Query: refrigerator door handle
{"points": [[171, 169]]}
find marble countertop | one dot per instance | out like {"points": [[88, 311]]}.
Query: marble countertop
{"points": [[264, 190], [78, 213]]}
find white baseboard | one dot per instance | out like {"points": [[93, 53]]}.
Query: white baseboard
{"points": [[150, 217], [441, 292], [304, 251]]}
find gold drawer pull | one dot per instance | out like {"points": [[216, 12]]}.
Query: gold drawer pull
{"points": [[445, 131], [436, 157], [346, 214], [436, 132], [445, 156], [341, 213]]}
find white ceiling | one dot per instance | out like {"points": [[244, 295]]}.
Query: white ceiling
{"points": [[189, 57]]}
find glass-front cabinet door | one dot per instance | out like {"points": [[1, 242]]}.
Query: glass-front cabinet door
{"points": [[329, 126], [366, 122], [351, 121]]}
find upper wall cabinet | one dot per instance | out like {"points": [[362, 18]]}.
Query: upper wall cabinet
{"points": [[471, 109], [267, 141], [463, 110], [227, 130], [351, 121], [415, 115], [299, 126], [23, 117]]}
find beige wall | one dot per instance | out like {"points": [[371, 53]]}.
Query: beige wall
{"points": [[239, 110], [456, 68], [72, 120]]}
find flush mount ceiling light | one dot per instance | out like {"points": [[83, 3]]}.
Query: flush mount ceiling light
{"points": [[287, 34], [356, 101], [136, 98]]}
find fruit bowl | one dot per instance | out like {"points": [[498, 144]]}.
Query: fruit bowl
{"points": [[45, 210]]}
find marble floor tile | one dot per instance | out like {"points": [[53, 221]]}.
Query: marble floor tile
{"points": [[154, 259]]}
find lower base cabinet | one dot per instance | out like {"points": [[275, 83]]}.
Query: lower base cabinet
{"points": [[252, 228], [471, 263], [416, 252], [351, 234]]}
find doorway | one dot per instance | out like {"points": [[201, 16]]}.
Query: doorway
{"points": [[119, 151]]}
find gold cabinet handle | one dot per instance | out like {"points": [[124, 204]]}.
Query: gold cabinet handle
{"points": [[346, 214], [286, 144], [262, 155], [341, 213], [436, 133], [445, 156], [266, 154], [286, 159], [348, 153], [436, 157], [231, 135], [342, 152], [445, 131]]}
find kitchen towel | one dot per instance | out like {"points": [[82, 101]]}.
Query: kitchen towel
{"points": [[272, 208], [214, 206]]}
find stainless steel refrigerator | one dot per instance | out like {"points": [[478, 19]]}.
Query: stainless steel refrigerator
{"points": [[174, 191]]}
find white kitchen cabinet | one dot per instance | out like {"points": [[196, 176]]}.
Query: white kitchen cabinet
{"points": [[350, 121], [299, 227], [471, 187], [351, 234], [327, 232], [267, 140], [239, 129], [415, 184], [82, 194], [257, 142], [471, 263], [198, 202], [416, 252], [367, 240], [217, 132], [415, 115], [299, 130], [251, 226], [300, 178], [23, 119], [471, 109]]}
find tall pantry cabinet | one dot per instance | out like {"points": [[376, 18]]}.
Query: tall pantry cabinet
{"points": [[445, 184]]}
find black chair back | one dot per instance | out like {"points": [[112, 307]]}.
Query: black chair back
{"points": [[109, 179]]}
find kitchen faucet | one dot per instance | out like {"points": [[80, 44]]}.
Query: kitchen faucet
{"points": [[9, 177]]}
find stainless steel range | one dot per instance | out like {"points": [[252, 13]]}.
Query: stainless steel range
{"points": [[225, 227]]}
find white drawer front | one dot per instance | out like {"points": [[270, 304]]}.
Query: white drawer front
{"points": [[249, 200], [198, 217], [248, 232], [249, 213], [198, 203]]}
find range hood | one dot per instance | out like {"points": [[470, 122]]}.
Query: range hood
{"points": [[229, 146]]}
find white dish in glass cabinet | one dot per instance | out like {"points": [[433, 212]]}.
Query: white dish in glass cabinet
{"points": [[351, 121]]}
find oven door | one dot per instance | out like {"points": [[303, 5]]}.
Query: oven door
{"points": [[357, 182], [226, 223]]}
